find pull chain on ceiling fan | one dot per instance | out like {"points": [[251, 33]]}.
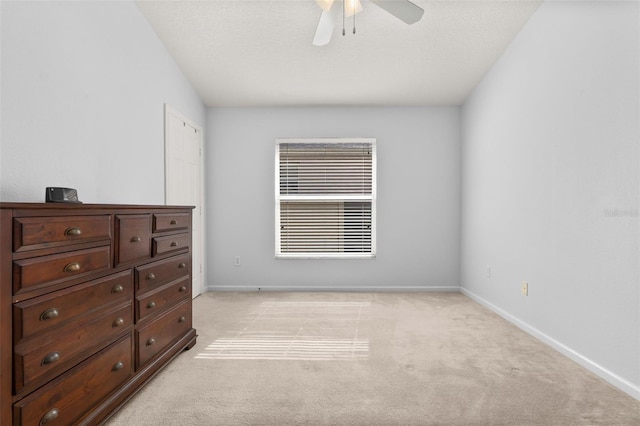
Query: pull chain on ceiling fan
{"points": [[401, 9]]}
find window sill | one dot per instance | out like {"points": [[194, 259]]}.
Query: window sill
{"points": [[341, 256]]}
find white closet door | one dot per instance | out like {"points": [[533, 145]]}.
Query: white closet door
{"points": [[184, 181]]}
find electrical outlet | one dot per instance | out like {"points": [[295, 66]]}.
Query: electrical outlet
{"points": [[525, 288], [236, 261]]}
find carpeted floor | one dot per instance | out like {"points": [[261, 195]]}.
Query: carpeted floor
{"points": [[368, 359]]}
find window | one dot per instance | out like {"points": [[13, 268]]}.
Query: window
{"points": [[325, 198]]}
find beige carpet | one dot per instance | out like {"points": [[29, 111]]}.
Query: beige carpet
{"points": [[368, 359]]}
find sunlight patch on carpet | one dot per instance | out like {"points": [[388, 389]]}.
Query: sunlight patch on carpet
{"points": [[306, 331]]}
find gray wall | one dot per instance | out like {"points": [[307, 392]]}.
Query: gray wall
{"points": [[550, 185], [83, 87], [418, 205]]}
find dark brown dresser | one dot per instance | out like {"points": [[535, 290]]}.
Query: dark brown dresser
{"points": [[94, 301]]}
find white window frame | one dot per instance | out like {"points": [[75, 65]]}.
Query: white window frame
{"points": [[279, 198]]}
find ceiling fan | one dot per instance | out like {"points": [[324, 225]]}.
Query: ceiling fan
{"points": [[331, 10]]}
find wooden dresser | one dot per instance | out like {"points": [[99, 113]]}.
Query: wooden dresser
{"points": [[94, 301]]}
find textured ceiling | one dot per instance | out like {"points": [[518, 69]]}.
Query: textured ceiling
{"points": [[259, 52]]}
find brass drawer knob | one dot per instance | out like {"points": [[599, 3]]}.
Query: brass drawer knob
{"points": [[182, 265], [72, 267], [151, 276], [151, 305], [117, 366], [117, 289], [173, 222], [51, 358], [182, 319], [50, 416], [174, 244], [72, 232], [135, 239], [118, 322], [151, 341], [49, 314], [182, 289]]}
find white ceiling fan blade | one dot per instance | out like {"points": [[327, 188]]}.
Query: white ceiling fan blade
{"points": [[326, 26], [325, 4], [401, 9]]}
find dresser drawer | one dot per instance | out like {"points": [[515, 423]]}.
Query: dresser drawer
{"points": [[154, 337], [38, 359], [155, 301], [171, 243], [43, 271], [163, 222], [45, 313], [133, 237], [65, 402], [40, 232], [155, 274]]}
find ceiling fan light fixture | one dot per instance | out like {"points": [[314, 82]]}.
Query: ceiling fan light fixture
{"points": [[325, 4], [351, 7]]}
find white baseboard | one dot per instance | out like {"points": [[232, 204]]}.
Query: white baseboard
{"points": [[619, 382], [454, 289]]}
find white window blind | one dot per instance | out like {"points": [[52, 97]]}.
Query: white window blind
{"points": [[325, 198]]}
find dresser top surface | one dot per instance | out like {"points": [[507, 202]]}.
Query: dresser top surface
{"points": [[81, 206]]}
